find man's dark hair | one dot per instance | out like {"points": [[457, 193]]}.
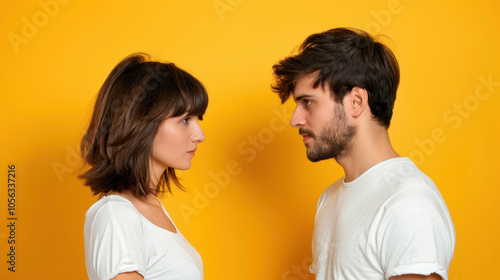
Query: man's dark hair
{"points": [[344, 58]]}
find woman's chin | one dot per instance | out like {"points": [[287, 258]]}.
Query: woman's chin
{"points": [[183, 167]]}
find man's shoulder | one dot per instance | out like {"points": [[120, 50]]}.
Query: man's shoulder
{"points": [[405, 175], [403, 184], [332, 188], [408, 189]]}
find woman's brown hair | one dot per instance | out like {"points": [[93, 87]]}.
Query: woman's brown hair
{"points": [[136, 97]]}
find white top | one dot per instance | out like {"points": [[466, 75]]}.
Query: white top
{"points": [[389, 221], [118, 238]]}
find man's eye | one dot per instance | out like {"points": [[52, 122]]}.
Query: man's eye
{"points": [[307, 102]]}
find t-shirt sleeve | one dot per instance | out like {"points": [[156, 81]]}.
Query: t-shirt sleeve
{"points": [[117, 241], [416, 235]]}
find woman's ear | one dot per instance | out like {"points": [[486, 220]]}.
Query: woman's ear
{"points": [[356, 102]]}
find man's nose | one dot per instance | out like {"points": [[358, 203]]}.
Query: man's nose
{"points": [[297, 119]]}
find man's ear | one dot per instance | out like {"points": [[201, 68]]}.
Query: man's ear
{"points": [[356, 101]]}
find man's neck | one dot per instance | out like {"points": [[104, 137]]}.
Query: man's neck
{"points": [[366, 151]]}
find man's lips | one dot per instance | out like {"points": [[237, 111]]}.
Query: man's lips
{"points": [[305, 137]]}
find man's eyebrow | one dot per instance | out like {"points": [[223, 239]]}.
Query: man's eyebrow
{"points": [[300, 97]]}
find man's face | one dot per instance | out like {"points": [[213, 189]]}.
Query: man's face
{"points": [[321, 121]]}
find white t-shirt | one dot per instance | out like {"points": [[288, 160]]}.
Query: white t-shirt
{"points": [[118, 238], [389, 221]]}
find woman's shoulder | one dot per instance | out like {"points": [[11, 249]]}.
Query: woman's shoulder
{"points": [[112, 209]]}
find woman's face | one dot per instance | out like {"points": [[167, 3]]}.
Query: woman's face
{"points": [[175, 143]]}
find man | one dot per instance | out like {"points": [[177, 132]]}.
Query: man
{"points": [[384, 219]]}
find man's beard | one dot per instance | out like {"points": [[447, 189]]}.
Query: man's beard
{"points": [[334, 141]]}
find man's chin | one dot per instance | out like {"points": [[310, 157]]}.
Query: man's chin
{"points": [[315, 158]]}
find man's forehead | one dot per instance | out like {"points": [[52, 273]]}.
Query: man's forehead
{"points": [[308, 78], [305, 86]]}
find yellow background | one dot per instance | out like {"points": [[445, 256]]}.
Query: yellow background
{"points": [[260, 225]]}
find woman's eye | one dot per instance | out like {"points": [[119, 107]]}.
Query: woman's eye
{"points": [[186, 120]]}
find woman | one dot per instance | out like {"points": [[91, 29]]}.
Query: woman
{"points": [[144, 126]]}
